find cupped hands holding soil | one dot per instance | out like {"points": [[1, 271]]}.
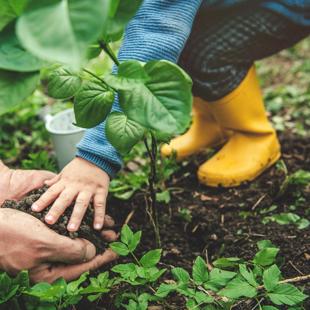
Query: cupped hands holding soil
{"points": [[86, 230]]}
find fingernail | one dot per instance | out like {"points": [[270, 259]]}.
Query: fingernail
{"points": [[35, 207], [90, 252], [71, 226], [49, 218], [97, 226]]}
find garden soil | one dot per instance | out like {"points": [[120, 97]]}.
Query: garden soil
{"points": [[86, 230], [228, 222], [224, 222]]}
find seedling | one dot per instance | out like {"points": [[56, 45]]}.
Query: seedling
{"points": [[227, 283], [155, 97]]}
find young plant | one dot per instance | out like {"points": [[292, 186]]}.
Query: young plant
{"points": [[226, 284], [155, 97]]}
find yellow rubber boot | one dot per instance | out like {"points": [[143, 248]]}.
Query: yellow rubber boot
{"points": [[253, 146], [203, 133]]}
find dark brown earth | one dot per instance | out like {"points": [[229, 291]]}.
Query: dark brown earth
{"points": [[228, 222], [225, 222], [86, 230]]}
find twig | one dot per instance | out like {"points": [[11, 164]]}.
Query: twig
{"points": [[290, 280], [258, 201], [300, 272], [129, 216]]}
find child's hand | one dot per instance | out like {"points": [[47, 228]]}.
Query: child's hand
{"points": [[79, 181]]}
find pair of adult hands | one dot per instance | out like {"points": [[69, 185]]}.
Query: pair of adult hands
{"points": [[39, 249]]}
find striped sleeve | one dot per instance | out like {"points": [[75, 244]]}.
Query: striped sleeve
{"points": [[159, 30]]}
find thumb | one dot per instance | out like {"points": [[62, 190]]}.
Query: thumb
{"points": [[72, 272], [40, 176], [50, 273], [71, 251]]}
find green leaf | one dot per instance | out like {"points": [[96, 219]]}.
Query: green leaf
{"points": [[202, 298], [266, 256], [159, 99], [13, 56], [134, 241], [237, 288], [126, 234], [10, 9], [300, 177], [61, 30], [263, 244], [271, 277], [122, 132], [191, 304], [200, 271], [219, 278], [120, 14], [15, 87], [226, 262], [303, 223], [22, 279], [125, 270], [151, 258], [247, 275], [180, 274], [129, 238], [286, 294], [155, 275], [8, 288], [119, 248], [92, 104], [165, 289], [63, 83], [269, 308], [73, 286], [163, 196]]}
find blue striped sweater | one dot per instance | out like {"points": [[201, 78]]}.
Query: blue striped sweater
{"points": [[159, 31]]}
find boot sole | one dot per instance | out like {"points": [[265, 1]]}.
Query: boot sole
{"points": [[203, 179]]}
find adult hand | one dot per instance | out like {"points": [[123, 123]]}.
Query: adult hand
{"points": [[82, 182], [14, 184], [27, 243]]}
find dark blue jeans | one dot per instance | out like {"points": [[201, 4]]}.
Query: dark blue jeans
{"points": [[224, 45]]}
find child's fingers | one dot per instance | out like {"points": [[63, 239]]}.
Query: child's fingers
{"points": [[60, 205], [99, 207], [80, 207], [48, 197]]}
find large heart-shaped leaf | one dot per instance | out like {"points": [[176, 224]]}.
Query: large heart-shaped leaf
{"points": [[15, 87], [121, 12], [63, 83], [156, 95], [13, 56], [61, 30], [122, 132], [92, 104]]}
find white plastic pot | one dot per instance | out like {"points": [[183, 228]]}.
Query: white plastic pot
{"points": [[65, 136]]}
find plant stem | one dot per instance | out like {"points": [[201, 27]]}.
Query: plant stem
{"points": [[291, 280], [151, 205], [107, 48]]}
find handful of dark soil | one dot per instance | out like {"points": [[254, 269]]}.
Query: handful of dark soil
{"points": [[86, 230]]}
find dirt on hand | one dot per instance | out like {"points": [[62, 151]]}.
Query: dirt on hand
{"points": [[86, 230]]}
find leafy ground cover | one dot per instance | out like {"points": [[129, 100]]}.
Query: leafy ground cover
{"points": [[199, 221]]}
